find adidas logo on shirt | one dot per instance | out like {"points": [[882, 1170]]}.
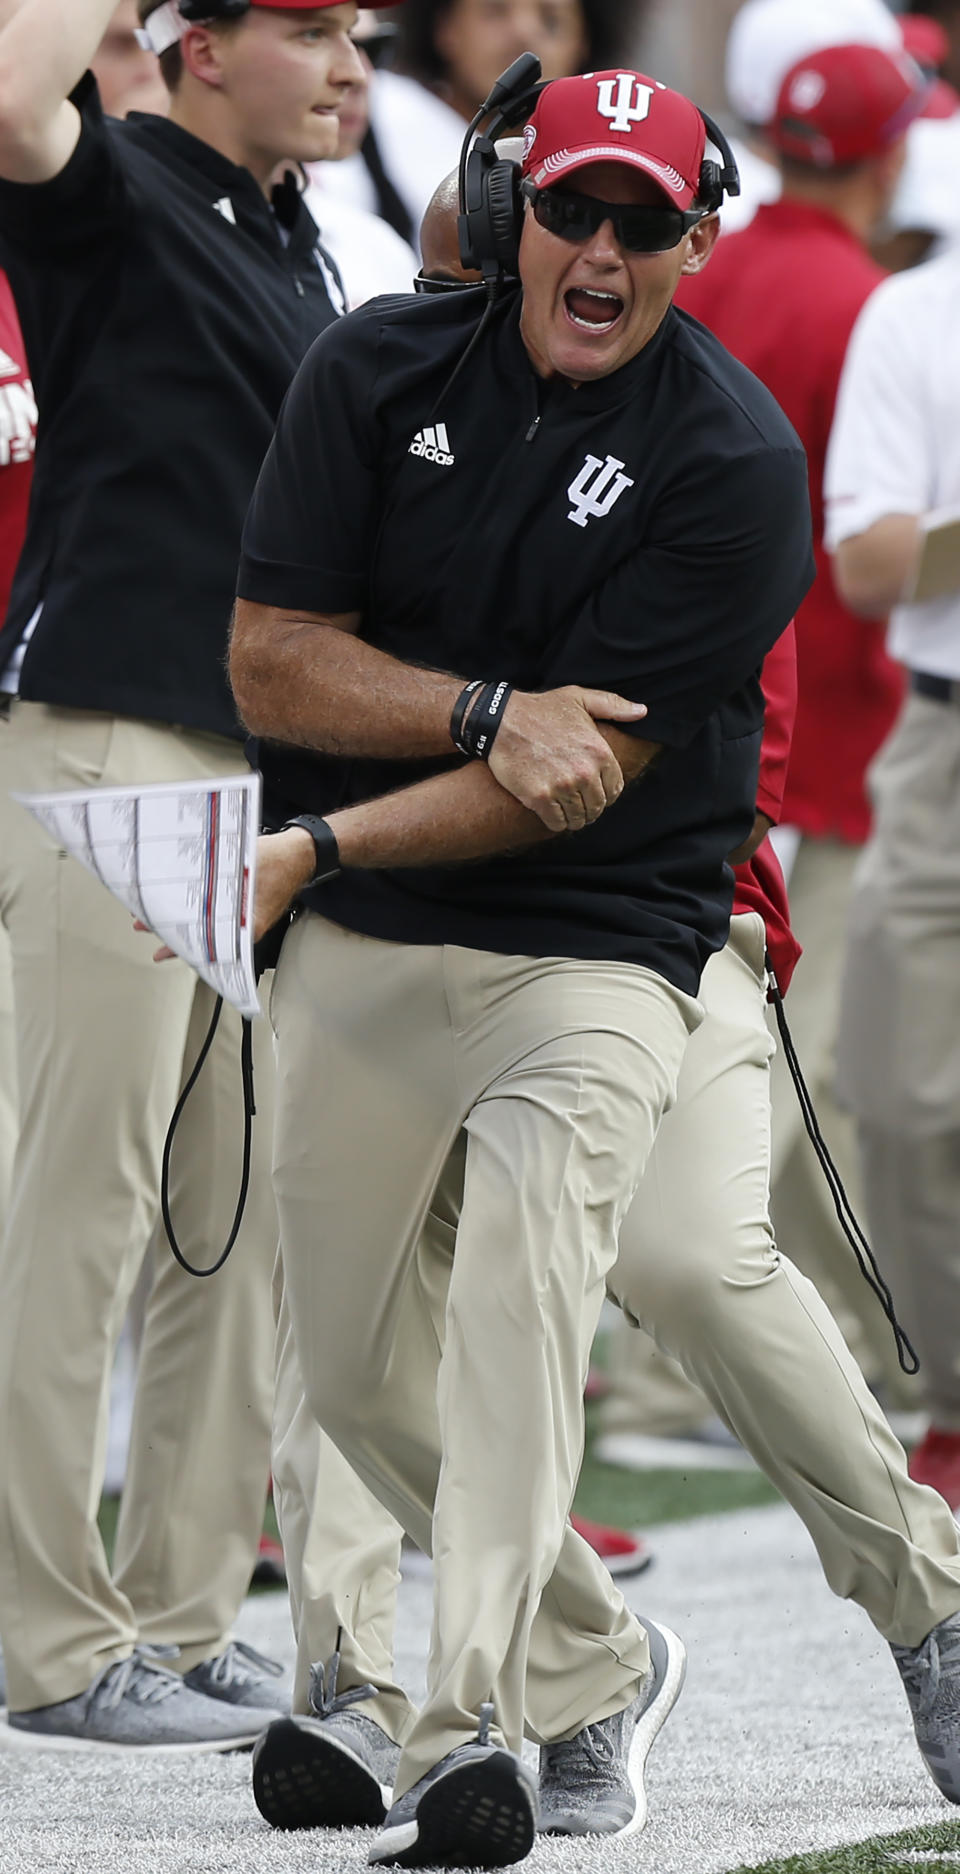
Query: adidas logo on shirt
{"points": [[433, 445]]}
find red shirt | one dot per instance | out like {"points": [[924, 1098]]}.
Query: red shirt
{"points": [[783, 296], [759, 883], [18, 435]]}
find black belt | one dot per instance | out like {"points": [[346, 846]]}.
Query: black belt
{"points": [[940, 689]]}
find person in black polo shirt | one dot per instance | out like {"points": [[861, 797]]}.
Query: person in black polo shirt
{"points": [[511, 878], [166, 300]]}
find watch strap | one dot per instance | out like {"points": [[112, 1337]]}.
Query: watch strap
{"points": [[326, 850]]}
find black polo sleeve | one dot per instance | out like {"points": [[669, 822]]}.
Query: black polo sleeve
{"points": [[685, 620], [311, 526], [73, 215]]}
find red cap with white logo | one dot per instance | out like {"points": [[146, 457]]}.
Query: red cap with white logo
{"points": [[616, 117], [845, 104], [165, 24]]}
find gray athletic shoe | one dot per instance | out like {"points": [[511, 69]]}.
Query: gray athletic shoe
{"points": [[931, 1680], [135, 1703], [241, 1676], [592, 1784], [332, 1769], [477, 1808]]}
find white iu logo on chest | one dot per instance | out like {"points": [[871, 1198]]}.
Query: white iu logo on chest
{"points": [[597, 487], [624, 100]]}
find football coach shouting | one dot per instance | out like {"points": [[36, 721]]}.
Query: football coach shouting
{"points": [[493, 598]]}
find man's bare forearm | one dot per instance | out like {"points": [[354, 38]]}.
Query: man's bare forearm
{"points": [[319, 686], [45, 47], [451, 819]]}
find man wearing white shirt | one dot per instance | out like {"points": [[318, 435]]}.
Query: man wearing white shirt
{"points": [[894, 458]]}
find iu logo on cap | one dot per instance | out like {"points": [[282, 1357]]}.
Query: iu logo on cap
{"points": [[624, 100]]}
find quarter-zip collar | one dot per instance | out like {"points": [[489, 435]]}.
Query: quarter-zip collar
{"points": [[216, 177], [601, 393]]}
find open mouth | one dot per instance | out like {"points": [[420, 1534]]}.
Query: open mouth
{"points": [[592, 310]]}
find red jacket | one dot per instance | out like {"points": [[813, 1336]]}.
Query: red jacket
{"points": [[783, 296], [18, 430]]}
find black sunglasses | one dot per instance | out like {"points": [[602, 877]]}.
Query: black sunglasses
{"points": [[639, 229]]}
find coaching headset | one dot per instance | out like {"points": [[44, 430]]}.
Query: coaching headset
{"points": [[491, 207]]}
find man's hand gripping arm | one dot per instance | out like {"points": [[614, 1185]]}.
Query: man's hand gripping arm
{"points": [[309, 680]]}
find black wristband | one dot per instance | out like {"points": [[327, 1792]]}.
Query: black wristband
{"points": [[482, 726], [326, 850], [460, 708]]}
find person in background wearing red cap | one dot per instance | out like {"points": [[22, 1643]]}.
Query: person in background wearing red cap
{"points": [[166, 300], [783, 295], [586, 508], [946, 14]]}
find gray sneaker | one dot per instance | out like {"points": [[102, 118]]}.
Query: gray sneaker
{"points": [[931, 1680], [241, 1676], [332, 1769], [592, 1784], [135, 1703], [476, 1808]]}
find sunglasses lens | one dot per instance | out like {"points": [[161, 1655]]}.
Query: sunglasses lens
{"points": [[640, 230]]}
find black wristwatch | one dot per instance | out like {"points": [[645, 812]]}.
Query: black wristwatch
{"points": [[324, 845]]}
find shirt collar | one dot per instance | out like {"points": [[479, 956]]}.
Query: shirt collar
{"points": [[602, 393], [221, 177], [792, 217]]}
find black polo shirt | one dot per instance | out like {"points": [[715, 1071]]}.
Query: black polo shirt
{"points": [[165, 309], [648, 533]]}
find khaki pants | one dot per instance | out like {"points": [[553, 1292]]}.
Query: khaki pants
{"points": [[104, 1037], [900, 1035], [653, 1395], [699, 1268], [559, 1072], [8, 1075], [803, 1214]]}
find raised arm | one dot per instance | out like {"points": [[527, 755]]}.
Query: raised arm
{"points": [[45, 47]]}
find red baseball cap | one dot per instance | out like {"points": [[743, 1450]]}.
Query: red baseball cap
{"points": [[846, 103], [166, 23], [925, 40], [616, 117]]}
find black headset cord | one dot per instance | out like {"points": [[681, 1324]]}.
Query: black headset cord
{"points": [[906, 1353], [249, 1109]]}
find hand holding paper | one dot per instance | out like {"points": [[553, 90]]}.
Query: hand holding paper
{"points": [[182, 858]]}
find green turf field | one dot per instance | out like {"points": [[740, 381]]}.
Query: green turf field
{"points": [[935, 1847]]}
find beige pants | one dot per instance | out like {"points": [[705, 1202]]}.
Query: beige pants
{"points": [[103, 1039], [8, 1075], [656, 1396], [900, 1035], [803, 1213], [698, 1266], [559, 1072]]}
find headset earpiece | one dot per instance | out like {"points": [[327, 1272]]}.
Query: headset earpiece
{"points": [[488, 226], [490, 218], [717, 179]]}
